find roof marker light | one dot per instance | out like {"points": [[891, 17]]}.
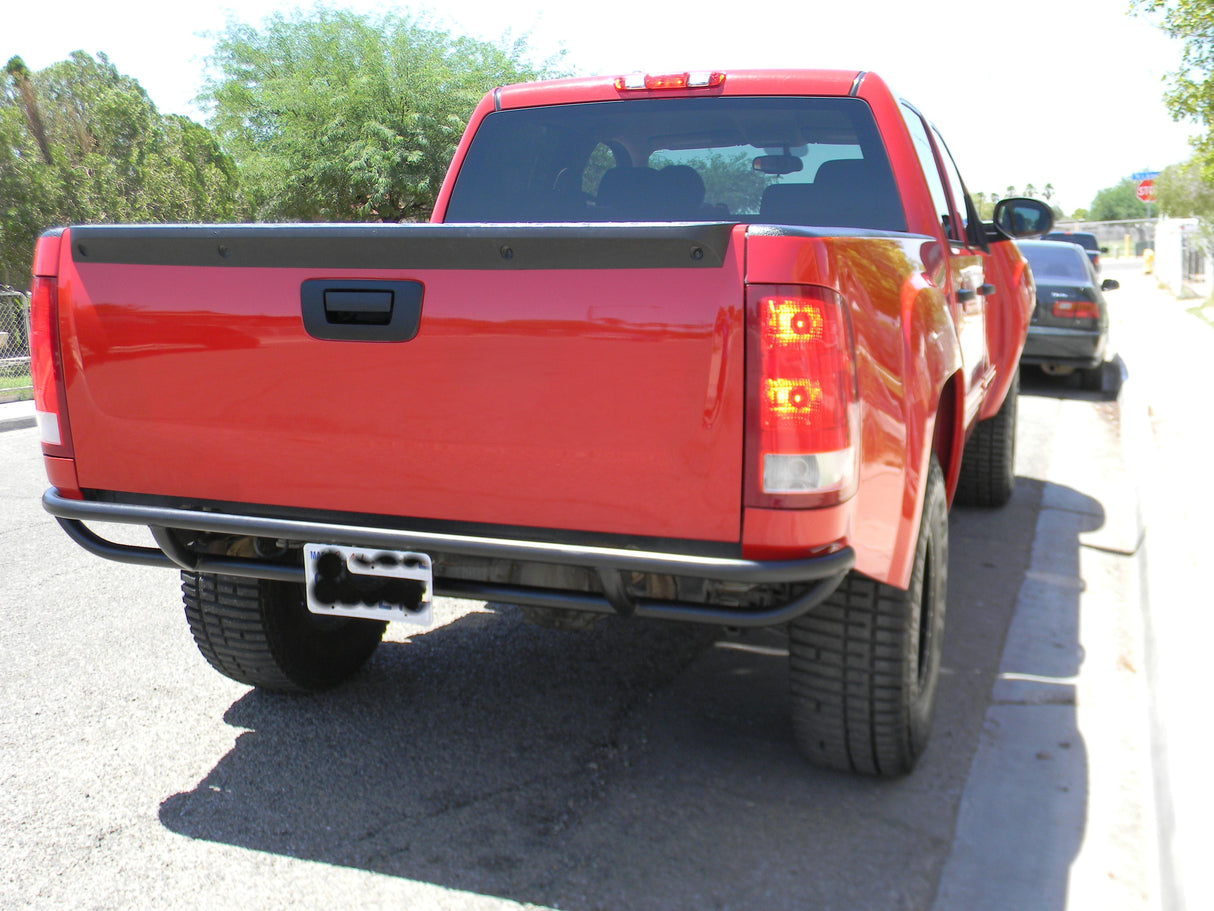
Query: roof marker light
{"points": [[646, 82]]}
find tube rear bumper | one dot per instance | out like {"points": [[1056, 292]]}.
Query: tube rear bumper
{"points": [[822, 573]]}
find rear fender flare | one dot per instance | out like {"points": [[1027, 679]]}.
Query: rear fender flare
{"points": [[931, 413]]}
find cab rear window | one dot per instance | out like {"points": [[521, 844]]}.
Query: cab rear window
{"points": [[1057, 262], [794, 161], [1087, 241]]}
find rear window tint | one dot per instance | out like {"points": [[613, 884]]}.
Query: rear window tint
{"points": [[1057, 262], [796, 161], [1087, 241]]}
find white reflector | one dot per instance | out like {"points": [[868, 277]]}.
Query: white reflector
{"points": [[48, 428]]}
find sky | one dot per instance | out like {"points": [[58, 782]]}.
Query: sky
{"points": [[1035, 91]]}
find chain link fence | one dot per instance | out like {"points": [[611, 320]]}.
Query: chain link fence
{"points": [[15, 382], [1123, 238]]}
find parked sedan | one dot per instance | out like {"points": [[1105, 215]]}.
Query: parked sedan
{"points": [[1088, 241], [1070, 326]]}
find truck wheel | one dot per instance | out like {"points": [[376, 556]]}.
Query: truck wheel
{"points": [[261, 633], [988, 465], [864, 665]]}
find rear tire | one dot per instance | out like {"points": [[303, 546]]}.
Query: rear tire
{"points": [[261, 633], [988, 465], [865, 664]]}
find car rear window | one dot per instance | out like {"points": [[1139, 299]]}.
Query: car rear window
{"points": [[1087, 241], [797, 161], [1057, 262]]}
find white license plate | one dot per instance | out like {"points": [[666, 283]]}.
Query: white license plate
{"points": [[368, 583]]}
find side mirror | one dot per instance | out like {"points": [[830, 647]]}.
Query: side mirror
{"points": [[1020, 216], [1110, 284], [1104, 249]]}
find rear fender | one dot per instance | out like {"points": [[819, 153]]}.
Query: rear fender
{"points": [[907, 352], [948, 435], [932, 411]]}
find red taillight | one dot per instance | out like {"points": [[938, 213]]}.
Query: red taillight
{"points": [[645, 82], [1081, 309], [46, 367], [802, 379]]}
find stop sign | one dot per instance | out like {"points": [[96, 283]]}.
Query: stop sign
{"points": [[1146, 190]]}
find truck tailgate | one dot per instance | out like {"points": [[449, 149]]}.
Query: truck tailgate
{"points": [[588, 378]]}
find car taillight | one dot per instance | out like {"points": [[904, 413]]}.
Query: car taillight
{"points": [[46, 368], [1076, 309], [800, 441]]}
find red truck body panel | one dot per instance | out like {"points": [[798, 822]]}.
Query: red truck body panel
{"points": [[899, 378], [606, 401], [714, 356], [1009, 312]]}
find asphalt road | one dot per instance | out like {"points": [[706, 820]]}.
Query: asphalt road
{"points": [[487, 763]]}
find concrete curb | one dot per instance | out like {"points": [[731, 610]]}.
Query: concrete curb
{"points": [[1060, 807], [1169, 460], [16, 416]]}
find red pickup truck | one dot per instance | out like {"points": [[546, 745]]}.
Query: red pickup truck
{"points": [[717, 347]]}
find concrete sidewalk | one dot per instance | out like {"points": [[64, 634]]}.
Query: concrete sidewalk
{"points": [[1167, 345], [16, 415]]}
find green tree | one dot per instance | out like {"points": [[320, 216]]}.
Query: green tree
{"points": [[1117, 203], [985, 204], [1190, 95], [1183, 192], [729, 179], [80, 142], [333, 115]]}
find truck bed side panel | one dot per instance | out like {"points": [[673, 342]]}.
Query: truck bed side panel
{"points": [[901, 365]]}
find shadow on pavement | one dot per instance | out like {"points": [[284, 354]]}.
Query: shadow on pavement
{"points": [[1024, 814], [1034, 381], [639, 765]]}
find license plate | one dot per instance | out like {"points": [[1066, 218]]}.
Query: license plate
{"points": [[368, 583]]}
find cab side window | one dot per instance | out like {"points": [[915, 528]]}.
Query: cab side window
{"points": [[931, 171], [956, 186]]}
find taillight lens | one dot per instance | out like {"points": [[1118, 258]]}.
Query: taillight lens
{"points": [[46, 368], [801, 439], [1076, 309]]}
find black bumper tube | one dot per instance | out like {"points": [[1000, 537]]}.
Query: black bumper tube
{"points": [[822, 572]]}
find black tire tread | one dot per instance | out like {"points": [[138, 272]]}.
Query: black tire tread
{"points": [[259, 633], [852, 690], [988, 464], [846, 677]]}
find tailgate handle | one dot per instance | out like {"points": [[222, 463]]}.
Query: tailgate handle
{"points": [[371, 308], [347, 310]]}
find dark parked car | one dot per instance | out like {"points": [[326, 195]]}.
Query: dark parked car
{"points": [[1070, 326], [1088, 241]]}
